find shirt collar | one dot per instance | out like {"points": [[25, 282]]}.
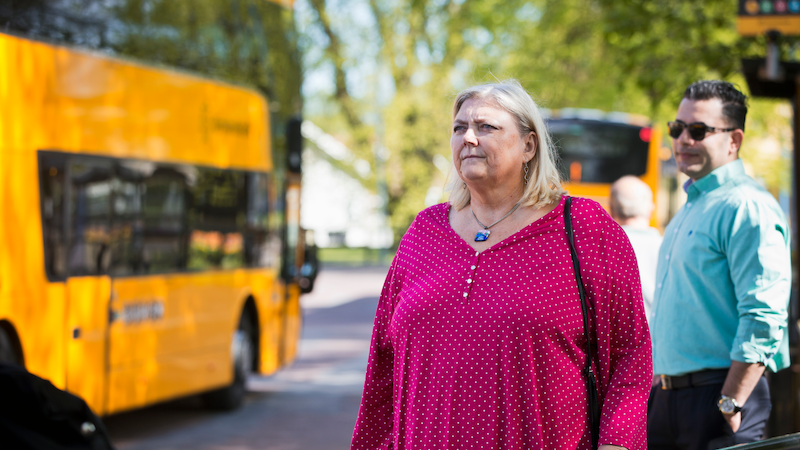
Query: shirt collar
{"points": [[715, 179]]}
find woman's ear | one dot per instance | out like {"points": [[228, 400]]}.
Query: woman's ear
{"points": [[531, 145]]}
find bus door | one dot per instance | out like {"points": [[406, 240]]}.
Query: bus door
{"points": [[87, 324], [151, 326], [138, 335], [88, 192]]}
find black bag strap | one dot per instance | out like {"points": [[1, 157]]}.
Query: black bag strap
{"points": [[594, 402]]}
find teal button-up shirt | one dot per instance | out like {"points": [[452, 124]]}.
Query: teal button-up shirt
{"points": [[723, 278]]}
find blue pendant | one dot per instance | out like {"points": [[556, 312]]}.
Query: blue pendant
{"points": [[482, 235]]}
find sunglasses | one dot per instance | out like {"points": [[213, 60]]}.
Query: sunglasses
{"points": [[697, 130]]}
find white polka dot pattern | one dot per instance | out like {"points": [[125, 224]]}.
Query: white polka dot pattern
{"points": [[485, 351]]}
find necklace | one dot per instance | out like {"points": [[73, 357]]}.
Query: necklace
{"points": [[484, 233]]}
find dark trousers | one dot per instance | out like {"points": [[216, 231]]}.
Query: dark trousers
{"points": [[688, 419]]}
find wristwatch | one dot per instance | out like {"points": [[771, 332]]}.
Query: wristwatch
{"points": [[728, 405]]}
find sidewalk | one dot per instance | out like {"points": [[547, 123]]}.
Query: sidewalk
{"points": [[339, 285]]}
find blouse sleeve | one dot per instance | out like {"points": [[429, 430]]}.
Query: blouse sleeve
{"points": [[373, 429], [624, 352]]}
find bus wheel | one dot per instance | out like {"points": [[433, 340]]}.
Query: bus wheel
{"points": [[7, 351], [231, 396]]}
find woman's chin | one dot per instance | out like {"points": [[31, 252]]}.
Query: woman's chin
{"points": [[473, 176]]}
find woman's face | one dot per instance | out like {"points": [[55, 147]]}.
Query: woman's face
{"points": [[487, 147]]}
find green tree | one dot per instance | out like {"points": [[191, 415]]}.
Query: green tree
{"points": [[665, 46], [560, 55], [249, 42], [414, 55], [392, 68]]}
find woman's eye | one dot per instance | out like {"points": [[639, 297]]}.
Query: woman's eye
{"points": [[486, 126], [458, 128]]}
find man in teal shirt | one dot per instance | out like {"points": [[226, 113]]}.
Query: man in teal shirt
{"points": [[722, 286]]}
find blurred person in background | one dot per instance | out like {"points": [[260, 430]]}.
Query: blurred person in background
{"points": [[722, 285], [631, 205], [478, 340]]}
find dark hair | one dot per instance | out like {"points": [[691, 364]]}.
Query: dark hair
{"points": [[734, 103]]}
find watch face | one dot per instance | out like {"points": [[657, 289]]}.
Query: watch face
{"points": [[726, 405]]}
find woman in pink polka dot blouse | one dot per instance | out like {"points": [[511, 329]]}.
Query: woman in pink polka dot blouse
{"points": [[478, 340]]}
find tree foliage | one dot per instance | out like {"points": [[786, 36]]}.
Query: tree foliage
{"points": [[393, 67], [381, 74], [417, 50], [248, 42], [665, 46]]}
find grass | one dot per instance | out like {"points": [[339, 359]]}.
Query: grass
{"points": [[355, 257]]}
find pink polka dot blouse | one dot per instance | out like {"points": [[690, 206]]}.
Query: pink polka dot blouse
{"points": [[485, 350]]}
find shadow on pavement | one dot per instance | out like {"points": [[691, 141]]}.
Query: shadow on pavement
{"points": [[361, 311]]}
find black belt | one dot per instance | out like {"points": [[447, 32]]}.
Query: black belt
{"points": [[702, 378]]}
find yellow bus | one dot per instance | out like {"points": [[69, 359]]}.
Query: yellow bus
{"points": [[596, 149], [147, 249]]}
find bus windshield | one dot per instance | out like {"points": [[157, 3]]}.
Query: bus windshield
{"points": [[593, 151]]}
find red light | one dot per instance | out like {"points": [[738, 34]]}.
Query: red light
{"points": [[644, 134], [575, 171]]}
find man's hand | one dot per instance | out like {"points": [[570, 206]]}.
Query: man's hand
{"points": [[742, 378], [734, 420], [611, 447]]}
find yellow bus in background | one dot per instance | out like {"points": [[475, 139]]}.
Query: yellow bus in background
{"points": [[146, 249], [596, 149]]}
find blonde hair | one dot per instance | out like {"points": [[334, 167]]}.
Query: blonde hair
{"points": [[544, 182]]}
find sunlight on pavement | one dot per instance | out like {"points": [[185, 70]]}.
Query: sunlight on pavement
{"points": [[315, 348], [322, 364], [333, 352], [337, 287]]}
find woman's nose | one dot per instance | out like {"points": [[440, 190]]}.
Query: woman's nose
{"points": [[470, 138]]}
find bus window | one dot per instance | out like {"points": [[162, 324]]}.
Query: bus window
{"points": [[218, 217], [256, 239], [219, 200], [90, 213], [126, 222], [164, 213], [52, 169], [258, 201]]}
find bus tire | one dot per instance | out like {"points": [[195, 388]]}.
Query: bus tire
{"points": [[8, 353], [231, 396]]}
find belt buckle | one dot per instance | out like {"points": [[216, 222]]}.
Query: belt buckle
{"points": [[666, 382]]}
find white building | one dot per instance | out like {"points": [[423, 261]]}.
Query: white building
{"points": [[339, 210]]}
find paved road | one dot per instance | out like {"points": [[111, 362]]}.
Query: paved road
{"points": [[310, 405]]}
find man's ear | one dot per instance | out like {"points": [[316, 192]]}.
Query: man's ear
{"points": [[737, 136]]}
